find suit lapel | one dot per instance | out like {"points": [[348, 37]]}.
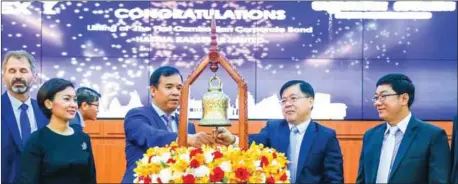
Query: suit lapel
{"points": [[157, 119], [40, 118], [376, 150], [307, 142], [283, 137], [10, 120], [405, 144]]}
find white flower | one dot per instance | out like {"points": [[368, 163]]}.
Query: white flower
{"points": [[226, 166], [263, 176], [165, 175], [274, 162], [201, 171], [156, 160], [145, 160], [177, 175], [165, 157], [257, 163], [208, 157], [185, 157], [153, 178]]}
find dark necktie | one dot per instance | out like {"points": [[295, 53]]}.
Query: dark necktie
{"points": [[25, 123]]}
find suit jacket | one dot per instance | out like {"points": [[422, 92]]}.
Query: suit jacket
{"points": [[320, 157], [423, 155], [75, 123], [12, 146], [454, 175], [144, 129]]}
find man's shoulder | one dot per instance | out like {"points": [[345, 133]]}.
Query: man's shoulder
{"points": [[5, 99], [275, 122], [427, 127], [323, 128], [372, 130], [143, 110]]}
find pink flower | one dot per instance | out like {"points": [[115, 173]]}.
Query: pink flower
{"points": [[189, 178], [194, 152], [264, 161], [242, 173], [270, 180], [283, 177], [218, 175], [217, 154], [194, 163]]}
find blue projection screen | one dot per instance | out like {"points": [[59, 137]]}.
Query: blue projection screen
{"points": [[340, 48]]}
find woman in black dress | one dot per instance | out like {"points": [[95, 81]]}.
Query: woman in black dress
{"points": [[56, 153]]}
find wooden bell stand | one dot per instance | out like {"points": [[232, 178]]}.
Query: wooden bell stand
{"points": [[214, 58]]}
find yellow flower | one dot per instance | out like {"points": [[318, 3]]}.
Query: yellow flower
{"points": [[180, 166], [200, 157], [256, 178], [233, 158], [203, 180], [154, 169]]}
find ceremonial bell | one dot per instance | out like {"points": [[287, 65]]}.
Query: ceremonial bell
{"points": [[214, 104]]}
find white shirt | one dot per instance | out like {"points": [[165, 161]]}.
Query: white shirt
{"points": [[81, 118], [302, 127], [402, 125], [15, 103], [160, 112]]}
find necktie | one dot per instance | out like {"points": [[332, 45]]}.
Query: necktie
{"points": [[168, 122], [292, 156], [386, 156], [25, 123]]}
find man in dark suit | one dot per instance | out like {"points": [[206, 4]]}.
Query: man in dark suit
{"points": [[88, 107], [312, 149], [157, 124], [454, 175], [403, 149], [20, 114]]}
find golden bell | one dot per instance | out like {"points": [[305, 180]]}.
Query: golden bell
{"points": [[215, 104]]}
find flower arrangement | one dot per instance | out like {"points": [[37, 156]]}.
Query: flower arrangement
{"points": [[173, 164]]}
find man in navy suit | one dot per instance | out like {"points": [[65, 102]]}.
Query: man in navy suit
{"points": [[454, 175], [312, 149], [88, 107], [403, 149], [20, 114], [157, 124]]}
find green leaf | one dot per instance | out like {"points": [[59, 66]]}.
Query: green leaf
{"points": [[225, 179], [163, 164]]}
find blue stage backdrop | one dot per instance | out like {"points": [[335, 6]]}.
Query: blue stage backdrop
{"points": [[341, 48]]}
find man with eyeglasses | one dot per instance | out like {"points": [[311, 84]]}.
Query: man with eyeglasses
{"points": [[312, 149], [403, 149], [88, 107]]}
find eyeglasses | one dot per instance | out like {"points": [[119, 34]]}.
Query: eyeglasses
{"points": [[291, 99], [382, 98], [96, 105]]}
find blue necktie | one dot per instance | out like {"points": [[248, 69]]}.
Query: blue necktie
{"points": [[168, 122], [25, 123], [292, 157]]}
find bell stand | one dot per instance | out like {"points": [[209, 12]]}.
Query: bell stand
{"points": [[213, 59]]}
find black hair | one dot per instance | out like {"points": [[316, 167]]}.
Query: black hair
{"points": [[48, 91], [305, 87], [88, 95], [400, 83], [162, 71]]}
